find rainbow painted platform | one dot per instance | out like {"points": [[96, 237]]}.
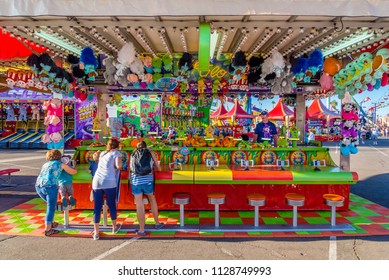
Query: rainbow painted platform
{"points": [[366, 218], [229, 177]]}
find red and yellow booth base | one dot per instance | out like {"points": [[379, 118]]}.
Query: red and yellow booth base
{"points": [[199, 180]]}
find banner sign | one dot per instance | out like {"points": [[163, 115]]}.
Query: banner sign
{"points": [[84, 116], [25, 96]]}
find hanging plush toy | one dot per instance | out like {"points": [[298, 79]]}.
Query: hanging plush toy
{"points": [[349, 126], [115, 126], [147, 64], [331, 66], [110, 70], [300, 68], [185, 65], [278, 63], [88, 63], [10, 112], [35, 112], [315, 64], [22, 113], [34, 63], [255, 69], [157, 64]]}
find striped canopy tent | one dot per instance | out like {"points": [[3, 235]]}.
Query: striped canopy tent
{"points": [[237, 112], [13, 49], [280, 111], [219, 111], [317, 110]]}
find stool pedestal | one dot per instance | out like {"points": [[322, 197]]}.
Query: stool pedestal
{"points": [[256, 200], [216, 199], [295, 200], [181, 198], [333, 200]]}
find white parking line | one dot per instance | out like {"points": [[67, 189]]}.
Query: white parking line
{"points": [[115, 249], [21, 158], [332, 254], [378, 150], [18, 165], [17, 193]]}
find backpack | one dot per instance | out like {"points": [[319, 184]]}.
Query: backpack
{"points": [[140, 162]]}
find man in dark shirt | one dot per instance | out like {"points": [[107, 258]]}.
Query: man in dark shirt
{"points": [[265, 129]]}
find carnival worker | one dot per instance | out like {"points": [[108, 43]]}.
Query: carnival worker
{"points": [[142, 162], [265, 130], [47, 186], [105, 182]]}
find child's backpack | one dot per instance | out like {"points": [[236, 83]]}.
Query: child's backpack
{"points": [[141, 162]]}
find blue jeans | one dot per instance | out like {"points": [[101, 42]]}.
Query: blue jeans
{"points": [[142, 188], [50, 195], [98, 199]]}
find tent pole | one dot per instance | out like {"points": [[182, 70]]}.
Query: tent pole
{"points": [[300, 115]]}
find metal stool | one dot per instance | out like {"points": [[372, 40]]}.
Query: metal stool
{"points": [[295, 200], [256, 200], [65, 210], [216, 199], [333, 200], [181, 198]]}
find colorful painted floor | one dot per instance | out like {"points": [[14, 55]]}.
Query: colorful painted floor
{"points": [[366, 217]]}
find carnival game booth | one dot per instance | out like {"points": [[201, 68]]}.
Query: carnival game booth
{"points": [[237, 118], [318, 111], [273, 172]]}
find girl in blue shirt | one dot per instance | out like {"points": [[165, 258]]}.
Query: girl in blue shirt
{"points": [[47, 186]]}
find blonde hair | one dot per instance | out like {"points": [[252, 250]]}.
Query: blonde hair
{"points": [[53, 155], [112, 144]]}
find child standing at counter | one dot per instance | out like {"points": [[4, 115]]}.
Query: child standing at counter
{"points": [[93, 167], [65, 183]]}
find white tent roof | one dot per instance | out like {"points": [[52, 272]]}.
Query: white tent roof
{"points": [[160, 26], [189, 7]]}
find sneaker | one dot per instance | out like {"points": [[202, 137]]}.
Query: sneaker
{"points": [[159, 226], [64, 202], [141, 233], [117, 228], [96, 236], [72, 201]]}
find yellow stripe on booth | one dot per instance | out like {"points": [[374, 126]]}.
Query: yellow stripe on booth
{"points": [[186, 174], [221, 174], [179, 175]]}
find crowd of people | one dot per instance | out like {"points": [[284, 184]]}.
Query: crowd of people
{"points": [[55, 177]]}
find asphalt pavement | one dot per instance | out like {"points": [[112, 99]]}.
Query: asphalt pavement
{"points": [[371, 163]]}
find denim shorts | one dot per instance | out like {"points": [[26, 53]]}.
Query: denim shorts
{"points": [[143, 188]]}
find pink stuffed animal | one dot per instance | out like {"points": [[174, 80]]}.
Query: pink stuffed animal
{"points": [[55, 108]]}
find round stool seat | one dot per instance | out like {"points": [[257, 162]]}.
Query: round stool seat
{"points": [[333, 199], [256, 199], [294, 199], [216, 198], [181, 198]]}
